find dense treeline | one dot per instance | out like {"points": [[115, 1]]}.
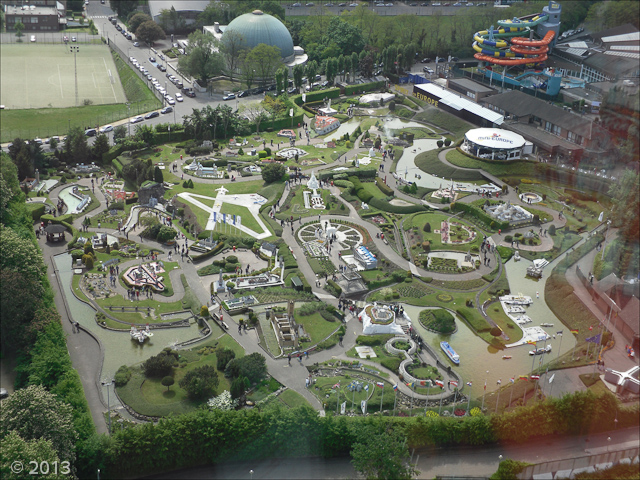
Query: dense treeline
{"points": [[206, 437], [32, 334]]}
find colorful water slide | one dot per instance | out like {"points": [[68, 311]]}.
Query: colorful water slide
{"points": [[492, 47]]}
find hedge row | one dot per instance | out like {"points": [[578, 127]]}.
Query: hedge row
{"points": [[112, 154], [384, 188], [368, 172], [160, 138], [37, 210], [363, 87], [317, 96], [359, 190], [480, 215], [209, 254], [385, 206]]}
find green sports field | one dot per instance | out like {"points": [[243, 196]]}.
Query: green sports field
{"points": [[38, 76]]}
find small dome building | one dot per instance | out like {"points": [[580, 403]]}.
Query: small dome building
{"points": [[258, 27]]}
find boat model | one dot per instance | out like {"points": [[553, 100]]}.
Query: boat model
{"points": [[541, 350], [518, 299], [140, 335], [506, 357], [546, 324], [453, 356], [516, 309]]}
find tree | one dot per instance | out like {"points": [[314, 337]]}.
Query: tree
{"points": [[508, 469], [232, 48], [149, 32], [223, 357], [238, 387], [382, 456], [145, 133], [165, 234], [171, 21], [23, 162], [366, 65], [19, 27], [203, 61], [123, 7], [272, 172], [347, 37], [100, 147], [252, 366], [265, 60], [34, 413], [160, 365], [157, 175], [168, 381], [76, 147], [298, 74], [138, 19], [355, 59], [281, 75], [200, 382], [119, 133], [15, 449]]}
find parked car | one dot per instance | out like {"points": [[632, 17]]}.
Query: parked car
{"points": [[33, 38], [229, 96], [4, 393], [425, 60], [106, 128], [91, 132], [179, 97], [136, 44], [38, 141], [74, 39], [152, 59], [166, 110], [171, 101], [291, 90], [243, 94], [428, 70], [190, 93], [162, 68], [151, 115], [137, 119], [179, 84]]}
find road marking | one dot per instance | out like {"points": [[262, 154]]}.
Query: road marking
{"points": [[60, 80]]}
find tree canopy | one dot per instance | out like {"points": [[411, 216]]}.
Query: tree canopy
{"points": [[202, 62], [264, 60], [149, 32], [382, 455]]}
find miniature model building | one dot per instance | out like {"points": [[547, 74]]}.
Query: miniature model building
{"points": [[379, 319]]}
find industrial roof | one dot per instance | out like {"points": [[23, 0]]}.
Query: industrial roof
{"points": [[457, 102], [520, 104], [156, 6], [470, 85], [626, 37]]}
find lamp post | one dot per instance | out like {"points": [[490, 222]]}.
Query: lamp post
{"points": [[128, 116], [485, 390], [605, 239], [108, 384], [251, 473], [75, 49]]}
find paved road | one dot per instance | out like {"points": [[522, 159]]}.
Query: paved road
{"points": [[460, 462]]}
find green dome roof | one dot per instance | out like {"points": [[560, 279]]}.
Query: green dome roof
{"points": [[258, 27]]}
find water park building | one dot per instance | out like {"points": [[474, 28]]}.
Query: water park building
{"points": [[553, 129], [496, 144], [457, 105]]}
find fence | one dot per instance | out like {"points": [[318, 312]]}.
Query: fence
{"points": [[125, 58], [571, 466], [49, 38]]}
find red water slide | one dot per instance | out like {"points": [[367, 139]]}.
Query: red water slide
{"points": [[522, 46]]}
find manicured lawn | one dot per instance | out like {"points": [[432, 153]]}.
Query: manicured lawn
{"points": [[332, 398], [444, 120], [317, 327], [373, 189], [428, 162], [149, 397], [292, 399], [248, 220], [320, 266], [295, 206]]}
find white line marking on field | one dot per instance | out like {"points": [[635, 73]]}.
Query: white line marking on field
{"points": [[112, 89], [60, 80]]}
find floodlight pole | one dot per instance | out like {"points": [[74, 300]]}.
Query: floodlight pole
{"points": [[74, 50]]}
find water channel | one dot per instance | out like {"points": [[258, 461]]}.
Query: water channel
{"points": [[477, 357], [118, 347]]}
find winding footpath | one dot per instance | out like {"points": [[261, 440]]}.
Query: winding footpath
{"points": [[82, 345]]}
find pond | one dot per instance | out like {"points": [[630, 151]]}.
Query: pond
{"points": [[119, 349], [476, 356]]}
